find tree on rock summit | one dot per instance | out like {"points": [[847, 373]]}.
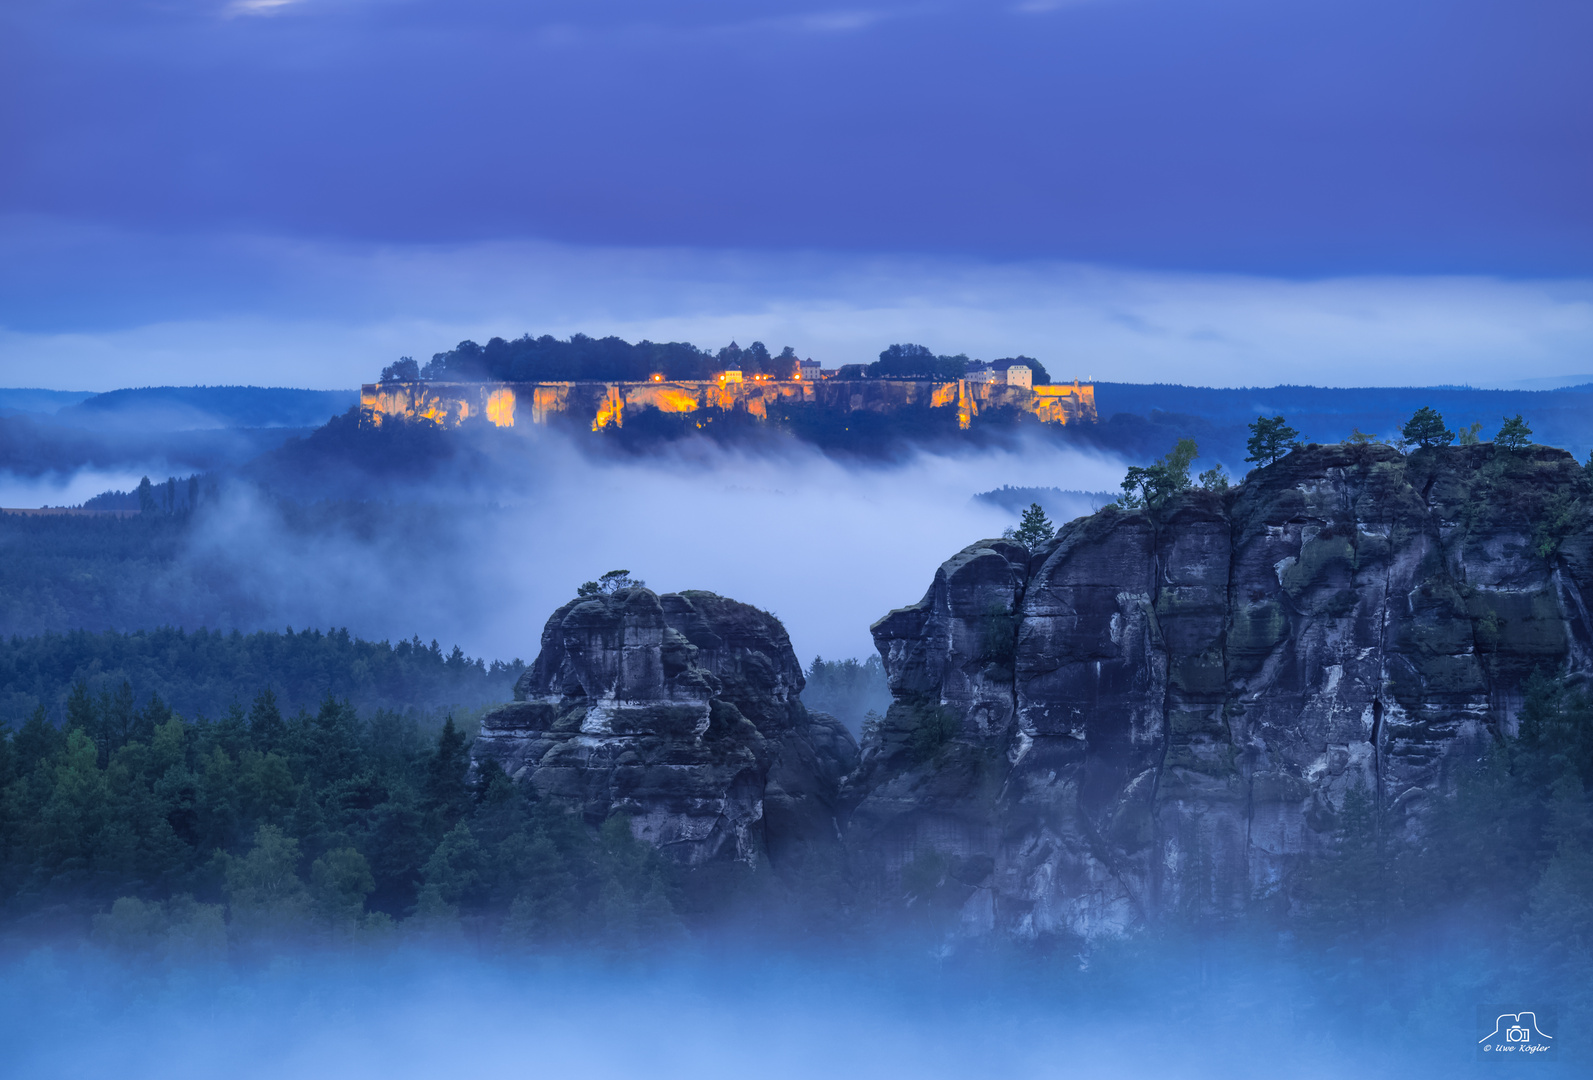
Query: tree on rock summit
{"points": [[1427, 429], [610, 583], [1152, 485], [1034, 530], [1513, 434], [1270, 439]]}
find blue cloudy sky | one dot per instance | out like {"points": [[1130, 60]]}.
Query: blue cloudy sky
{"points": [[1212, 191]]}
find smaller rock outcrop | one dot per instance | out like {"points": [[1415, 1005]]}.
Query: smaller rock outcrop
{"points": [[683, 711]]}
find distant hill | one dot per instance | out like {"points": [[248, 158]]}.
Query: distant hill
{"points": [[1059, 505], [162, 430], [193, 408], [15, 400]]}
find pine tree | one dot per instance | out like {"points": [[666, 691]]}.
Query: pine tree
{"points": [[447, 791], [1035, 528], [1269, 440], [1426, 429], [267, 730], [1513, 434], [453, 872]]}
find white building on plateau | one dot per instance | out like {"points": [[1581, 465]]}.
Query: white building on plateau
{"points": [[808, 371], [1011, 375]]}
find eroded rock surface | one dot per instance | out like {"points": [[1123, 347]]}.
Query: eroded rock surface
{"points": [[1162, 712], [682, 711]]}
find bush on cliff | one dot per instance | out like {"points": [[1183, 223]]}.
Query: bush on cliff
{"points": [[933, 728], [1151, 486]]}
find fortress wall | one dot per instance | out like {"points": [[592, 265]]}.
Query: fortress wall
{"points": [[507, 404]]}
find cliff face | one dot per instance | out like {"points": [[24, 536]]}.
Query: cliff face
{"points": [[450, 404], [682, 711], [1161, 712]]}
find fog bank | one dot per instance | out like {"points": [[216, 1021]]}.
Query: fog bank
{"points": [[827, 546], [68, 488], [476, 541], [429, 1014]]}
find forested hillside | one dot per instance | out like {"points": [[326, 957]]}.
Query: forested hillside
{"points": [[204, 673], [180, 568], [306, 823]]}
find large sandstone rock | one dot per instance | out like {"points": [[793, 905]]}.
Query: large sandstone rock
{"points": [[1161, 713], [682, 711]]}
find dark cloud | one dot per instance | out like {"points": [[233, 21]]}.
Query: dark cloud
{"points": [[1293, 138]]}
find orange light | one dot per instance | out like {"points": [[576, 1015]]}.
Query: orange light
{"points": [[658, 378]]}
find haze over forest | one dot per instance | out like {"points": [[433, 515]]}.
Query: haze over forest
{"points": [[1240, 727]]}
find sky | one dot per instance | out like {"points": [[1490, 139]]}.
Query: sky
{"points": [[294, 192]]}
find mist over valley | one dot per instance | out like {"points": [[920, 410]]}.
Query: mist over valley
{"points": [[693, 540]]}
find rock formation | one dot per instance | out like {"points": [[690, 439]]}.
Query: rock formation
{"points": [[1162, 711], [682, 711]]}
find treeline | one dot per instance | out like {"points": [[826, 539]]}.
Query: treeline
{"points": [[180, 836], [547, 359], [170, 834], [849, 690], [1139, 421], [61, 572], [174, 496], [920, 362], [204, 673], [1273, 438]]}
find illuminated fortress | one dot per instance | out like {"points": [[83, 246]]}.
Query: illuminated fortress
{"points": [[606, 403]]}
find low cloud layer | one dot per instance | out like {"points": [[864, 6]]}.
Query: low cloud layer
{"points": [[825, 546], [91, 309], [402, 1015], [66, 488], [482, 556]]}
